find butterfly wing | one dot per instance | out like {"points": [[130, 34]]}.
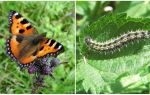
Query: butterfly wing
{"points": [[21, 34], [19, 25], [15, 46], [49, 47]]}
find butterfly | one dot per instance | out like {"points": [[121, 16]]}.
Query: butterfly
{"points": [[26, 45]]}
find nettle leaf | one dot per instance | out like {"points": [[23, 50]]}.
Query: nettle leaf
{"points": [[142, 7], [110, 68], [92, 80]]}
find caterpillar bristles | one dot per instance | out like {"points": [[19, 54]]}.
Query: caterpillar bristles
{"points": [[116, 44]]}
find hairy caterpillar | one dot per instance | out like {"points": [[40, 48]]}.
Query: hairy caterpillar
{"points": [[117, 43]]}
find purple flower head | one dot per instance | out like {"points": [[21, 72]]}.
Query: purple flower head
{"points": [[44, 60], [44, 66], [54, 62], [32, 69], [46, 70]]}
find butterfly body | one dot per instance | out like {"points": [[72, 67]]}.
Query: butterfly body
{"points": [[25, 45]]}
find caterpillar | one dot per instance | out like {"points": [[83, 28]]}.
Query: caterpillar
{"points": [[116, 43]]}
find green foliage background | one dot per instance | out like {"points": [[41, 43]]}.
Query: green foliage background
{"points": [[127, 71], [57, 20]]}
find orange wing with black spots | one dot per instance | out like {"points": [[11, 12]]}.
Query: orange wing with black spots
{"points": [[25, 45], [50, 47], [19, 25], [15, 47]]}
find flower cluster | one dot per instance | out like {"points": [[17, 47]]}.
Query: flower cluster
{"points": [[40, 69]]}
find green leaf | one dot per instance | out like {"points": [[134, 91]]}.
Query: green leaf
{"points": [[141, 7], [91, 77], [111, 68]]}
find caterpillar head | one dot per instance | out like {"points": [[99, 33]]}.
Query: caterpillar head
{"points": [[87, 40]]}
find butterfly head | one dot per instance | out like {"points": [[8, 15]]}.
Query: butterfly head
{"points": [[38, 39]]}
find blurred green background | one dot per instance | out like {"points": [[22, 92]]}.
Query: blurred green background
{"points": [[99, 73], [57, 20], [89, 11]]}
